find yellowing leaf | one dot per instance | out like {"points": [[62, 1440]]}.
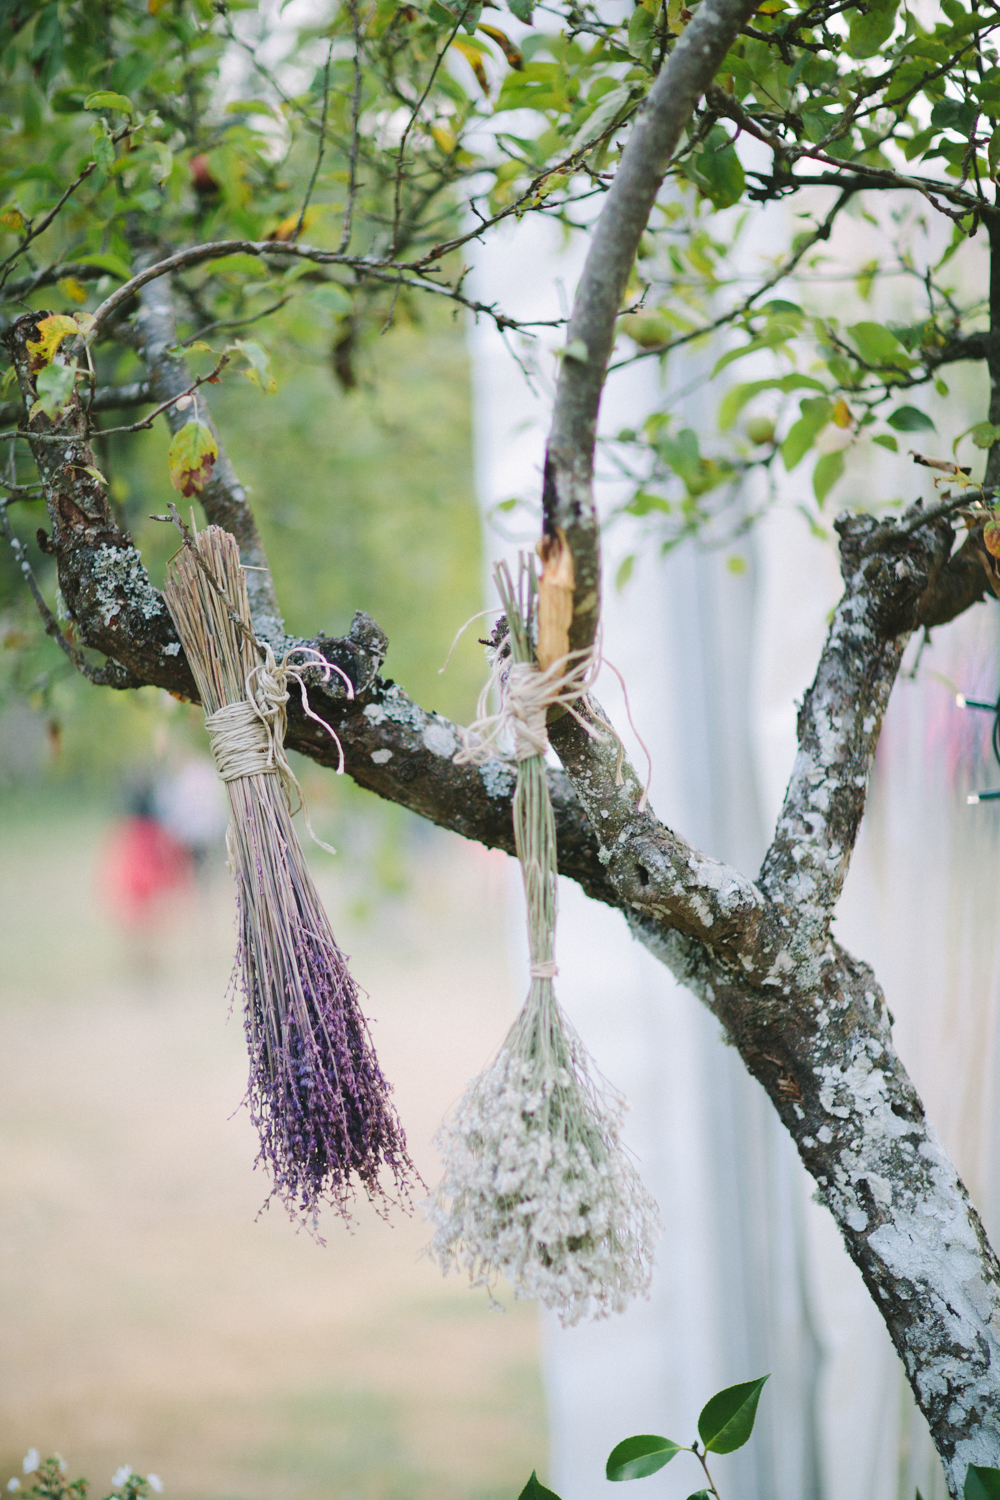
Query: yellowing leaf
{"points": [[51, 332], [155, 6], [991, 538], [13, 218], [444, 139], [192, 456], [677, 16], [73, 289], [258, 370], [287, 227], [841, 414], [513, 54], [475, 61]]}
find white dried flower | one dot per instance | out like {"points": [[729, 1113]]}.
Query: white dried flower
{"points": [[13, 1484], [537, 1186], [122, 1475], [155, 1483], [32, 1461]]}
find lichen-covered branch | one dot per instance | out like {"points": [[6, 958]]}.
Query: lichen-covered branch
{"points": [[841, 716]]}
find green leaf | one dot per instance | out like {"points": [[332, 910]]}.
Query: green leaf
{"points": [[910, 419], [816, 413], [716, 170], [104, 99], [993, 152], [643, 502], [191, 458], [242, 262], [701, 1495], [726, 1421], [984, 434], [734, 401], [522, 9], [826, 473], [535, 1490], [611, 105], [333, 298], [638, 1457], [106, 261], [624, 572], [54, 385], [877, 345], [258, 370], [982, 1484], [871, 27], [640, 29], [885, 440]]}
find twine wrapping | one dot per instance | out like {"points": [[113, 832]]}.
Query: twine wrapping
{"points": [[316, 1093], [537, 1185]]}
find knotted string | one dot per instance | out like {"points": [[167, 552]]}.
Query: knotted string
{"points": [[248, 738], [527, 693]]}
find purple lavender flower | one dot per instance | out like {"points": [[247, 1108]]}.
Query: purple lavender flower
{"points": [[316, 1094]]}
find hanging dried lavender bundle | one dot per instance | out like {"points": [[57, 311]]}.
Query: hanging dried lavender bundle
{"points": [[316, 1094], [537, 1185]]}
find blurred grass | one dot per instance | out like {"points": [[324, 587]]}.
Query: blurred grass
{"points": [[149, 1316]]}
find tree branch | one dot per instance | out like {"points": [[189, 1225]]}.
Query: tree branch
{"points": [[567, 496], [223, 499], [841, 715]]}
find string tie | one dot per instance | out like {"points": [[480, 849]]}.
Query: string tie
{"points": [[544, 969], [526, 695], [248, 738]]}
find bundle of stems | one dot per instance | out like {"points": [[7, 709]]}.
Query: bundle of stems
{"points": [[537, 1184], [316, 1093]]}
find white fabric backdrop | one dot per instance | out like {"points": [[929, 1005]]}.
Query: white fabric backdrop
{"points": [[751, 1275]]}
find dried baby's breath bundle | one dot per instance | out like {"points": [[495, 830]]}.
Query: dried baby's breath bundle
{"points": [[537, 1185], [316, 1094]]}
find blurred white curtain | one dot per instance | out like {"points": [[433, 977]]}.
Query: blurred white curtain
{"points": [[751, 1276]]}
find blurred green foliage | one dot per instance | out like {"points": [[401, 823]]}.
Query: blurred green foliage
{"points": [[364, 500]]}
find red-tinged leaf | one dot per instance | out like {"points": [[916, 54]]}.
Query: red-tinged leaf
{"points": [[991, 538], [192, 457], [51, 332]]}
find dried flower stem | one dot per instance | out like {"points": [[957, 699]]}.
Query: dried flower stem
{"points": [[316, 1093], [537, 1185]]}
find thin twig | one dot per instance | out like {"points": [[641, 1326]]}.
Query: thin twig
{"points": [[237, 322], [320, 145], [397, 201], [352, 160]]}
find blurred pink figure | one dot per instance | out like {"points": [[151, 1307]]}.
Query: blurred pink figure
{"points": [[143, 865]]}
